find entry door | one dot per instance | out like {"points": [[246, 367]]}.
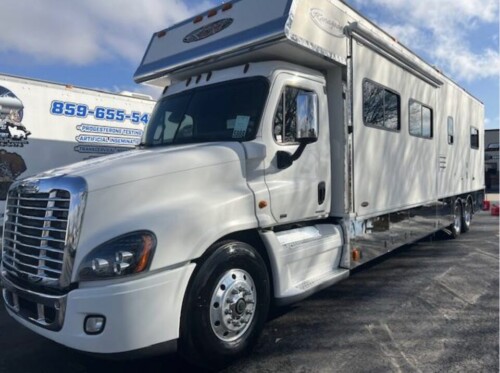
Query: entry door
{"points": [[475, 159], [300, 191], [447, 170]]}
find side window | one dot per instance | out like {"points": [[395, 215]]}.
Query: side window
{"points": [[451, 130], [381, 107], [284, 126], [421, 120], [474, 138]]}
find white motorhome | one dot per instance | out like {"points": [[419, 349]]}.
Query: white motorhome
{"points": [[44, 125], [294, 141]]}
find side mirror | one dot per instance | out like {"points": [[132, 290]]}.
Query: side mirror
{"points": [[307, 117], [284, 159]]}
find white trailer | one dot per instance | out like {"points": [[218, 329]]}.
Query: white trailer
{"points": [[294, 141], [44, 125]]}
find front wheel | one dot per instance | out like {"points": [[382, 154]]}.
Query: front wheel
{"points": [[225, 307]]}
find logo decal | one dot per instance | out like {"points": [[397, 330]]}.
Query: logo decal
{"points": [[330, 26], [208, 30], [12, 132], [28, 187]]}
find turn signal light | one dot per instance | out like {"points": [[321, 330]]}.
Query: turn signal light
{"points": [[148, 246]]}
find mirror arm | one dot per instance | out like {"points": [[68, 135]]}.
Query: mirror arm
{"points": [[285, 159], [299, 151]]}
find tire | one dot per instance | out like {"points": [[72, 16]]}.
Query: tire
{"points": [[467, 215], [456, 226], [225, 307]]}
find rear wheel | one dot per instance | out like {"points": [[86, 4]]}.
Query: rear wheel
{"points": [[456, 227], [467, 215], [225, 307]]}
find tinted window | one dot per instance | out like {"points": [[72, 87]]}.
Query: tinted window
{"points": [[420, 120], [451, 130], [284, 126], [474, 138], [229, 111], [381, 107]]}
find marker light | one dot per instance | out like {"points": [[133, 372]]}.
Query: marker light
{"points": [[197, 19], [227, 7], [212, 13], [356, 255]]}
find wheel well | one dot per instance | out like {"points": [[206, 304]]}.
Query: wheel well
{"points": [[463, 199], [252, 237]]}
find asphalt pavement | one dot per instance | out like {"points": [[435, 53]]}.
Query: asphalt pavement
{"points": [[428, 307]]}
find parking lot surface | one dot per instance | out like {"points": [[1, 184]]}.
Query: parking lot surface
{"points": [[429, 307]]}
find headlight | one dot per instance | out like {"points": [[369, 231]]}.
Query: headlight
{"points": [[122, 256]]}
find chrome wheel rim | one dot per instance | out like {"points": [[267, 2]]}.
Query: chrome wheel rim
{"points": [[468, 213], [458, 218], [232, 306]]}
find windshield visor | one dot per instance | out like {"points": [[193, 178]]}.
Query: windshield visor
{"points": [[228, 111]]}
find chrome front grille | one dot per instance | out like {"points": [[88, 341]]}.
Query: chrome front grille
{"points": [[35, 234], [42, 226]]}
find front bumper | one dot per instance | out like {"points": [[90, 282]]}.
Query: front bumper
{"points": [[139, 313]]}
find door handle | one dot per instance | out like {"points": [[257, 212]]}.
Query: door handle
{"points": [[321, 192]]}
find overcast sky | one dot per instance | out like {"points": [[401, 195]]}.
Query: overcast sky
{"points": [[99, 43]]}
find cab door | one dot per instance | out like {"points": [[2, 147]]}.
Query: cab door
{"points": [[300, 190]]}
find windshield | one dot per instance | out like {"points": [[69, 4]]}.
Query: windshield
{"points": [[228, 111]]}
